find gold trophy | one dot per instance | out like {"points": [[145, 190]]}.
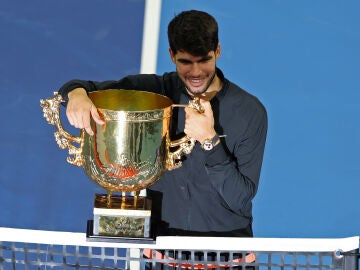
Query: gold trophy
{"points": [[127, 154]]}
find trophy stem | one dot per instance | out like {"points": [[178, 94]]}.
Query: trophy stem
{"points": [[108, 199], [123, 200], [136, 195]]}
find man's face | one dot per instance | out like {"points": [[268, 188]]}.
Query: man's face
{"points": [[197, 72]]}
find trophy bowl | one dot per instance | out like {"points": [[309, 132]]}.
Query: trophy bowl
{"points": [[129, 152], [132, 149]]}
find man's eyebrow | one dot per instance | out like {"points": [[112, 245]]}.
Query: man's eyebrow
{"points": [[184, 60], [206, 57]]}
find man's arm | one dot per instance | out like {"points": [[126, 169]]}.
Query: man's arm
{"points": [[79, 107], [236, 176]]}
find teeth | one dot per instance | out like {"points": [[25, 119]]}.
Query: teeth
{"points": [[196, 80]]}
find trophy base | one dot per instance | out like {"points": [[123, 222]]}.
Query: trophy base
{"points": [[114, 239], [121, 216]]}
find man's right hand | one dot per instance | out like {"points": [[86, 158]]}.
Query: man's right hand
{"points": [[79, 109]]}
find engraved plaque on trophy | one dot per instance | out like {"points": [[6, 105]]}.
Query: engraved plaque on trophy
{"points": [[127, 216]]}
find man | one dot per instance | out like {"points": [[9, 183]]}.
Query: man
{"points": [[211, 194]]}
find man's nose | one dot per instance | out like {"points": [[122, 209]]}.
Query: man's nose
{"points": [[195, 70]]}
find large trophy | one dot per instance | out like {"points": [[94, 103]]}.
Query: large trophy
{"points": [[127, 154]]}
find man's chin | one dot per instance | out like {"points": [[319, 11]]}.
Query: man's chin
{"points": [[196, 92]]}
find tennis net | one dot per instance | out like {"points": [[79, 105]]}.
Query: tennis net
{"points": [[37, 249]]}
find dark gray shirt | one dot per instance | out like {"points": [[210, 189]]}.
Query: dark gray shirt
{"points": [[211, 194]]}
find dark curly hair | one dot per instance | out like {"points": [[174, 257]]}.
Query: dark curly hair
{"points": [[194, 32]]}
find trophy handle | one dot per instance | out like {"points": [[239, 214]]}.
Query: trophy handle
{"points": [[51, 112], [184, 144]]}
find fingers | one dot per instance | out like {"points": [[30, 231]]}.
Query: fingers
{"points": [[206, 106], [207, 110], [199, 126], [86, 124], [95, 115], [79, 118], [79, 111]]}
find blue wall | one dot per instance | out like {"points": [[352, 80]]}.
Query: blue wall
{"points": [[301, 58], [43, 44]]}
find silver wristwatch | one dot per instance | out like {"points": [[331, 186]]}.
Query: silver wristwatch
{"points": [[209, 144]]}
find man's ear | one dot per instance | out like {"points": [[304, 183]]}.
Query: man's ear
{"points": [[172, 55], [217, 52]]}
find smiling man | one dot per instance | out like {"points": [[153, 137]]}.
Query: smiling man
{"points": [[212, 193], [197, 72]]}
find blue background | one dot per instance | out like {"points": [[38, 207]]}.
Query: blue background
{"points": [[301, 58]]}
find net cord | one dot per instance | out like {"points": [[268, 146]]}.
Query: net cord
{"points": [[182, 243]]}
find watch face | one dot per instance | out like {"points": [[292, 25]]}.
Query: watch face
{"points": [[207, 145]]}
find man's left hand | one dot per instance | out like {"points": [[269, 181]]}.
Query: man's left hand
{"points": [[200, 126]]}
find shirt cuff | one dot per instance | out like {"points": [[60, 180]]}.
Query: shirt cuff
{"points": [[216, 156], [68, 87]]}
